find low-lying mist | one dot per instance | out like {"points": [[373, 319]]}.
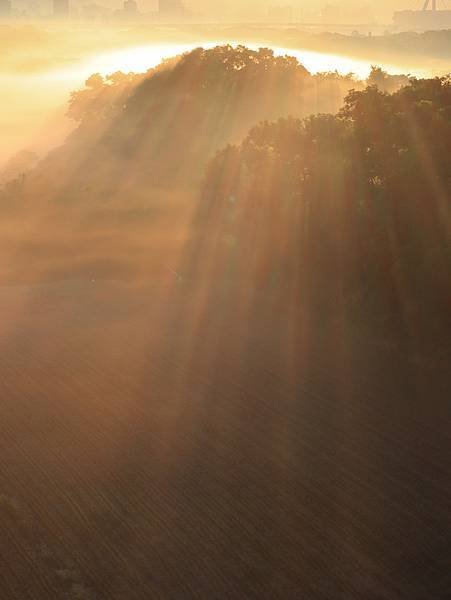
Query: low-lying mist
{"points": [[211, 170], [41, 63], [225, 285]]}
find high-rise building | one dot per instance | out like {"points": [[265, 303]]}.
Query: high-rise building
{"points": [[280, 14], [5, 8], [130, 7], [61, 9], [331, 14], [171, 8]]}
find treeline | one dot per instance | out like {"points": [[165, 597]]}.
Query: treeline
{"points": [[164, 125], [346, 212], [350, 213]]}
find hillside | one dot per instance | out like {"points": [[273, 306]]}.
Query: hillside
{"points": [[224, 340]]}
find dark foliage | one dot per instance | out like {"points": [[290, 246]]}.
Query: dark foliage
{"points": [[163, 126], [352, 211]]}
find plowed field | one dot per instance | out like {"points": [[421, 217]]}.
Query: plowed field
{"points": [[161, 443]]}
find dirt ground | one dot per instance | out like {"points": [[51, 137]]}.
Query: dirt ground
{"points": [[166, 442]]}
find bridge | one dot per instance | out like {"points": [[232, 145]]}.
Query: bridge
{"points": [[429, 17]]}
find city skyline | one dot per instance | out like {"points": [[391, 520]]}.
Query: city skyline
{"points": [[233, 10]]}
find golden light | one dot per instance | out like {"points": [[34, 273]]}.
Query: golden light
{"points": [[141, 58]]}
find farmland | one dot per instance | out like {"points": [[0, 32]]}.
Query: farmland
{"points": [[173, 442], [224, 348]]}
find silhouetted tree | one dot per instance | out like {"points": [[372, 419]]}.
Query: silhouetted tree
{"points": [[354, 208]]}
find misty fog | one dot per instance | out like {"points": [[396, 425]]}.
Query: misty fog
{"points": [[224, 312], [46, 61]]}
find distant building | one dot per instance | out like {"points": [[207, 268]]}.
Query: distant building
{"points": [[171, 9], [280, 14], [95, 12], [129, 11], [130, 7], [61, 9], [5, 8], [331, 14]]}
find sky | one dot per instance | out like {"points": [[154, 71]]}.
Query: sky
{"points": [[234, 10], [47, 60], [247, 7]]}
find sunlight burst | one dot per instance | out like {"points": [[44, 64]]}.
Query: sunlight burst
{"points": [[140, 59]]}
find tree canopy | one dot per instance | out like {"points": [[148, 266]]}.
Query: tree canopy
{"points": [[352, 209], [348, 210]]}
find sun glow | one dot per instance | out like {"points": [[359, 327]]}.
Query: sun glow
{"points": [[137, 60], [23, 124], [140, 59]]}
